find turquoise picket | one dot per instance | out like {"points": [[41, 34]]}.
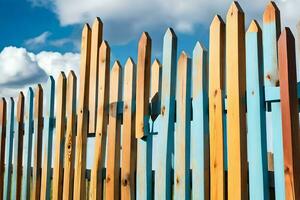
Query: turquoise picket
{"points": [[182, 134], [48, 134], [27, 144], [165, 135], [199, 126], [271, 31], [256, 116], [9, 148]]}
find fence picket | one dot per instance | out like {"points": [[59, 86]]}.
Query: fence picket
{"points": [[165, 137], [8, 148], [94, 75], [18, 149], [37, 152], [290, 115], [271, 31], [96, 186], [256, 116], [216, 108], [183, 129], [27, 144], [60, 126], [236, 91], [70, 137], [48, 125], [114, 135], [2, 142], [82, 116], [144, 143], [129, 140]]}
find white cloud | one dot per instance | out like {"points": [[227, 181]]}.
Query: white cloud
{"points": [[20, 68], [38, 40]]}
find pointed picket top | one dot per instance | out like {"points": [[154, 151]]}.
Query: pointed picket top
{"points": [[183, 58], [72, 76], [216, 22], [254, 27], [198, 49], [86, 28], [145, 40], [156, 64], [271, 13], [234, 8], [97, 23], [61, 77], [129, 62], [116, 66], [20, 107], [104, 47], [170, 34]]}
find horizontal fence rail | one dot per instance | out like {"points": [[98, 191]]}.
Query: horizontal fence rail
{"points": [[189, 127]]}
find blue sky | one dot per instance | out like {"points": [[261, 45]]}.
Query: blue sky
{"points": [[42, 37]]}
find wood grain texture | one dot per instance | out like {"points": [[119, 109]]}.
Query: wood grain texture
{"points": [[183, 129], [59, 142], [165, 137], [256, 116], [216, 107], [290, 116], [9, 148], [114, 135], [3, 110], [82, 115], [236, 91], [96, 40], [37, 151], [18, 149], [27, 144], [96, 186], [69, 150], [48, 122]]}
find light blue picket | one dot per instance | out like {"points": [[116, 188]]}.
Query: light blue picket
{"points": [[199, 126], [182, 135], [27, 144], [271, 31], [165, 137], [256, 116], [9, 148]]}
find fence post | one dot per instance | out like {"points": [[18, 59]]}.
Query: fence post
{"points": [[271, 31], [9, 148], [216, 107], [60, 126], [82, 116], [70, 136], [47, 138], [2, 142], [256, 115], [290, 115], [27, 145], [18, 149], [236, 105], [165, 137], [38, 140], [183, 129]]}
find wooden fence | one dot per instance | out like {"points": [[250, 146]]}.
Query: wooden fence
{"points": [[189, 128]]}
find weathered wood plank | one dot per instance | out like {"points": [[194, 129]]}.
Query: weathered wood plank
{"points": [[18, 149], [114, 135], [47, 138], [256, 116], [70, 137], [216, 107], [290, 116], [37, 151], [82, 116], [96, 186], [60, 126], [94, 75], [3, 109], [236, 91], [129, 140], [9, 148], [271, 31], [155, 93], [144, 143], [27, 144], [183, 129], [165, 137]]}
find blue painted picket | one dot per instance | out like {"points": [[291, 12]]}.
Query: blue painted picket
{"points": [[256, 116], [9, 147]]}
